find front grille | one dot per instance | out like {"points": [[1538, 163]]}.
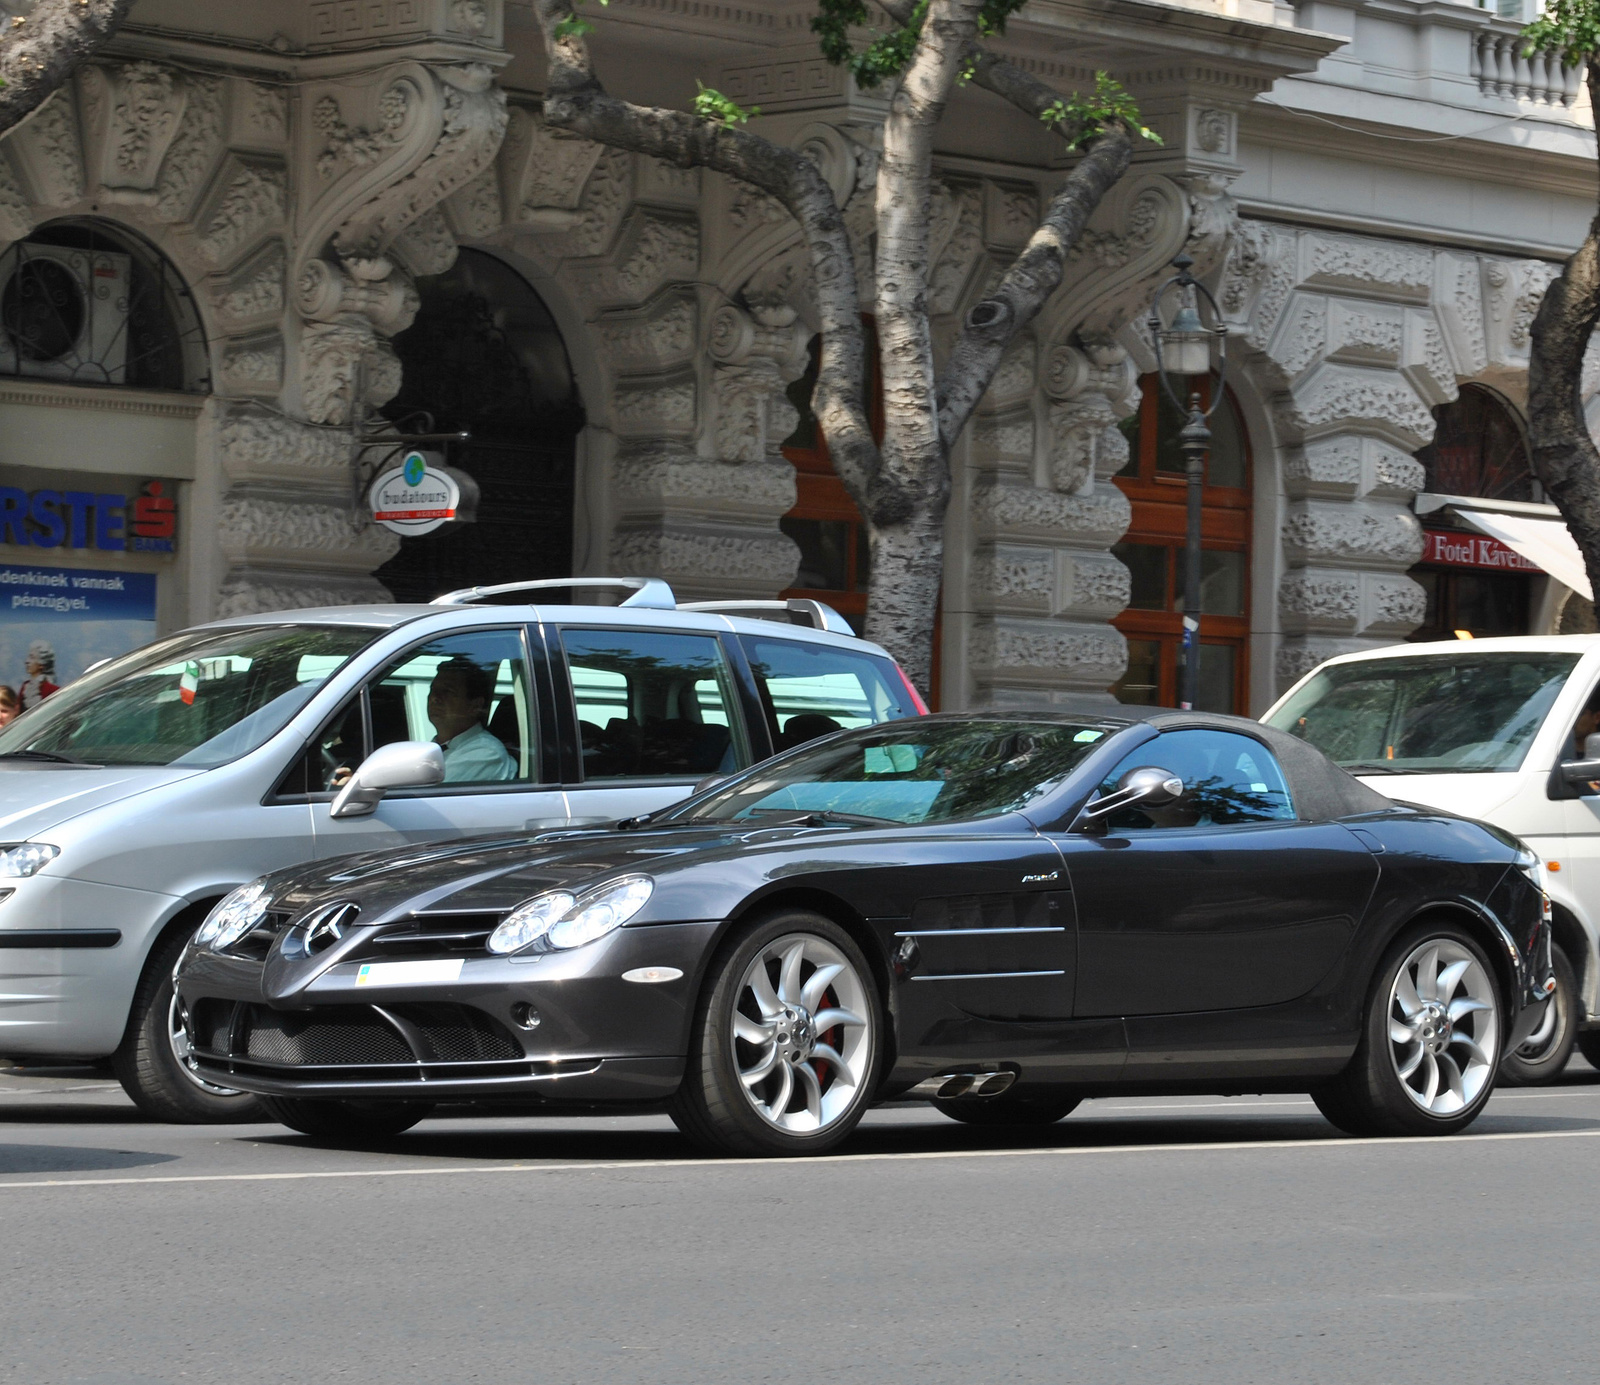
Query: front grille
{"points": [[432, 935], [352, 1036], [343, 1036], [458, 1034]]}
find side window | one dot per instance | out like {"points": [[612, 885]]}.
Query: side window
{"points": [[808, 690], [469, 693], [653, 706], [1228, 780]]}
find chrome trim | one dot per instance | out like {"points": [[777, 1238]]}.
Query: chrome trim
{"points": [[984, 975], [968, 932]]}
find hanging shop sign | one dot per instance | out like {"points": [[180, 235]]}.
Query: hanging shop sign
{"points": [[103, 520], [420, 494], [1455, 549]]}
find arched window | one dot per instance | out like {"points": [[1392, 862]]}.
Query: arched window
{"points": [[89, 304], [1153, 549], [1478, 449], [485, 355]]}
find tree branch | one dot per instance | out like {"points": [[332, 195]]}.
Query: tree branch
{"points": [[913, 456], [1564, 455], [575, 100], [40, 50]]}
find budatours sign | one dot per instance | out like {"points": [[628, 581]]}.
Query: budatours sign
{"points": [[420, 494], [112, 523]]}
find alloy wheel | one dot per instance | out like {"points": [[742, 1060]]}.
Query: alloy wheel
{"points": [[801, 1033], [1443, 1026], [183, 1051]]}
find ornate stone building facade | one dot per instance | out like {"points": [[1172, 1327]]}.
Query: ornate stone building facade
{"points": [[1377, 227]]}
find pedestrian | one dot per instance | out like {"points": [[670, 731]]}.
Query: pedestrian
{"points": [[10, 704], [41, 680]]}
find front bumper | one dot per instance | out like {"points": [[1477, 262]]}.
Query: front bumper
{"points": [[598, 1038]]}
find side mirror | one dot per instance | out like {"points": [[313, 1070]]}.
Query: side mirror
{"points": [[1147, 785], [399, 765]]}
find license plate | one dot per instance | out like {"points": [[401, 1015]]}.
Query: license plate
{"points": [[408, 973]]}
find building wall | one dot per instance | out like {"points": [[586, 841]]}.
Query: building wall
{"points": [[1375, 207]]}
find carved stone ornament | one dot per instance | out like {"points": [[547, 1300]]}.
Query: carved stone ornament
{"points": [[342, 363], [137, 109], [544, 172], [1213, 131]]}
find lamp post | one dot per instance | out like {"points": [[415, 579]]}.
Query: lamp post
{"points": [[1184, 350]]}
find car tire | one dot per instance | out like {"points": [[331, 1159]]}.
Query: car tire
{"points": [[1543, 1055], [152, 1062], [1430, 1040], [1008, 1110], [350, 1122], [776, 1066]]}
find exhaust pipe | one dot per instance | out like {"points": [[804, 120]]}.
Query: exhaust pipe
{"points": [[950, 1085]]}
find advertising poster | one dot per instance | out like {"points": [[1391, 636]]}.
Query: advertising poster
{"points": [[81, 615]]}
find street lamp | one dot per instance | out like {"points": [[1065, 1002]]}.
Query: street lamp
{"points": [[1185, 351]]}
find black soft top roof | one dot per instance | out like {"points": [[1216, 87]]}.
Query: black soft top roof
{"points": [[1320, 789]]}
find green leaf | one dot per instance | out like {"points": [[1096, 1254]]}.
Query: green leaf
{"points": [[710, 104], [573, 27], [1081, 117], [1570, 28]]}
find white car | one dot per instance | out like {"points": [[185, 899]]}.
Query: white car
{"points": [[1492, 729]]}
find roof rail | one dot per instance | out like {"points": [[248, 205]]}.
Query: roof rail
{"points": [[649, 592], [797, 610]]}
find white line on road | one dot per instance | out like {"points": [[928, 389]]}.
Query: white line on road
{"points": [[820, 1161]]}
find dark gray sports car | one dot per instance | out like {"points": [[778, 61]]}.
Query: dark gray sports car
{"points": [[1002, 913]]}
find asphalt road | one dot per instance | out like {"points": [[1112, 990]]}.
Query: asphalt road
{"points": [[1194, 1240]]}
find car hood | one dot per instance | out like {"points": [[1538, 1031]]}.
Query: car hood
{"points": [[498, 872], [1462, 795], [37, 796]]}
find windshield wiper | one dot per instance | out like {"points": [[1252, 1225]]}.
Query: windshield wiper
{"points": [[822, 817], [1387, 767], [52, 756]]}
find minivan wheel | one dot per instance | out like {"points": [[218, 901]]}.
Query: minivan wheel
{"points": [[784, 1049], [1543, 1054], [1430, 1043], [155, 1062], [352, 1122]]}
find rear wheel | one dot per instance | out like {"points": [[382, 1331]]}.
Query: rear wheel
{"points": [[155, 1062], [1543, 1054], [1589, 1046], [783, 1055], [352, 1121], [1008, 1110], [1430, 1043]]}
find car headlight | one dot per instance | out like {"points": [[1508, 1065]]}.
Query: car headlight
{"points": [[19, 862], [235, 916], [559, 920]]}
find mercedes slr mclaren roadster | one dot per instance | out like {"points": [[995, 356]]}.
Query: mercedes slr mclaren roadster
{"points": [[1001, 913]]}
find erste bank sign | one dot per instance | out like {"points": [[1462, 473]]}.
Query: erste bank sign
{"points": [[143, 523]]}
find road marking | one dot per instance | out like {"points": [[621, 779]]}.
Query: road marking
{"points": [[820, 1161]]}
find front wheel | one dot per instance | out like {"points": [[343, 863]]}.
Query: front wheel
{"points": [[155, 1061], [351, 1122], [783, 1055], [1008, 1110], [1541, 1057], [1430, 1042]]}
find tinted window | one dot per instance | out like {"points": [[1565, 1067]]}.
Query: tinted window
{"points": [[810, 690], [199, 699], [914, 771], [468, 692], [1227, 780], [1442, 715], [652, 705]]}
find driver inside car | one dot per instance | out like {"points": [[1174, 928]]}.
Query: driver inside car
{"points": [[458, 706]]}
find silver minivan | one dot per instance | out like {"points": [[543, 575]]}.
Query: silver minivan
{"points": [[132, 800]]}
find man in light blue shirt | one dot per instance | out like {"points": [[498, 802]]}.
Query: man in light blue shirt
{"points": [[458, 703]]}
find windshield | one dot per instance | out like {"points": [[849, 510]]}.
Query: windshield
{"points": [[198, 699], [1461, 714], [905, 772]]}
